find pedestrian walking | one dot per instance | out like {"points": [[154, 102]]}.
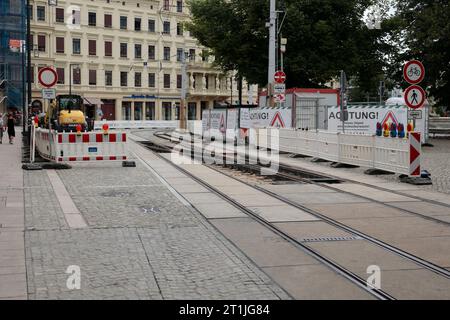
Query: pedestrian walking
{"points": [[2, 125], [11, 131]]}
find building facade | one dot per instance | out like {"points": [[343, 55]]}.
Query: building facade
{"points": [[125, 58], [12, 55]]}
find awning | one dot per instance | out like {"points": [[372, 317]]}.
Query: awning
{"points": [[90, 101]]}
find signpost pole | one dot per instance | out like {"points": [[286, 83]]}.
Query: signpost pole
{"points": [[183, 124], [272, 50], [343, 104]]}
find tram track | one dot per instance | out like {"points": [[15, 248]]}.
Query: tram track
{"points": [[344, 272], [251, 167]]}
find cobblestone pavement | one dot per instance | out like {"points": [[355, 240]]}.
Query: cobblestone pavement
{"points": [[437, 161], [141, 242]]}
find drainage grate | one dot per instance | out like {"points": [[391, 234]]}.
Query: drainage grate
{"points": [[117, 194], [149, 210], [324, 239]]}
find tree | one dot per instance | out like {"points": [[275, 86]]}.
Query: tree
{"points": [[324, 36], [422, 30]]}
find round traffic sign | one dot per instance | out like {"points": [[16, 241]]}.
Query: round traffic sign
{"points": [[414, 72], [280, 77], [415, 97], [47, 77]]}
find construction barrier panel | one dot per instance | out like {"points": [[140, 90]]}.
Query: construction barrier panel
{"points": [[389, 154], [147, 124], [83, 146]]}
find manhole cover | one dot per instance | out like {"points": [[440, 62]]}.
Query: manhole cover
{"points": [[117, 194]]}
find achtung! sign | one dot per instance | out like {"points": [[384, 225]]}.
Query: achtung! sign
{"points": [[364, 119]]}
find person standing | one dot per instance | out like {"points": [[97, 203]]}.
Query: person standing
{"points": [[2, 125], [11, 130]]}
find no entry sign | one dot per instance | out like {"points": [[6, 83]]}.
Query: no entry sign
{"points": [[280, 77], [414, 72], [47, 77], [415, 97]]}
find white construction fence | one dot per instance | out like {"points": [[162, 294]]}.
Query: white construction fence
{"points": [[388, 154], [148, 124]]}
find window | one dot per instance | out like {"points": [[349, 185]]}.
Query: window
{"points": [[108, 49], [167, 53], [108, 78], [192, 111], [31, 9], [76, 46], [138, 110], [151, 52], [31, 41], [166, 81], [41, 13], [59, 44], [92, 47], [137, 24], [166, 5], [59, 14], [60, 72], [179, 29], [123, 22], [166, 27], [92, 77], [179, 6], [179, 54], [137, 79], [137, 51], [76, 17], [167, 110], [150, 110], [205, 55], [41, 42], [32, 74], [179, 81], [151, 25], [123, 50], [192, 54], [108, 21], [92, 19], [123, 79], [126, 110], [76, 74], [151, 80]]}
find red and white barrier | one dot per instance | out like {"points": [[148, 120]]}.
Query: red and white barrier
{"points": [[83, 146], [415, 150]]}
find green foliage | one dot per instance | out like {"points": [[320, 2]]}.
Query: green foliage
{"points": [[324, 36], [422, 30]]}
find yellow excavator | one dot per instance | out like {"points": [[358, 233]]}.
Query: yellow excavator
{"points": [[66, 114]]}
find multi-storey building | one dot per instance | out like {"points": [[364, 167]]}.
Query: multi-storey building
{"points": [[12, 55], [124, 58]]}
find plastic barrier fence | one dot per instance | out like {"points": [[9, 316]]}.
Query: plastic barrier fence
{"points": [[394, 155], [150, 124], [84, 146]]}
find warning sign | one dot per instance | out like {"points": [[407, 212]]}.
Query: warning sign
{"points": [[277, 121], [263, 118]]}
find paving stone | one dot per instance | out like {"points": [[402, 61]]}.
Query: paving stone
{"points": [[317, 283], [141, 242]]}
